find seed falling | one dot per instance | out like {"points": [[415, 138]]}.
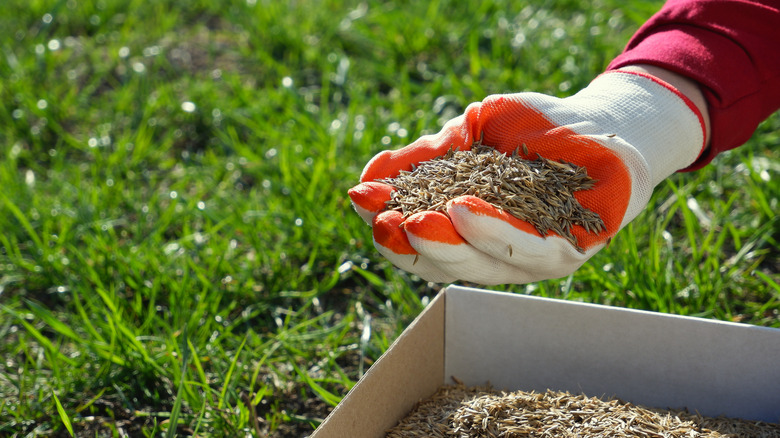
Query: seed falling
{"points": [[460, 411], [538, 191]]}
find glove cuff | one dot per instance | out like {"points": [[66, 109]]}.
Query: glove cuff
{"points": [[663, 125]]}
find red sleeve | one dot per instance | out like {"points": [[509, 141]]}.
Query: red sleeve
{"points": [[730, 47]]}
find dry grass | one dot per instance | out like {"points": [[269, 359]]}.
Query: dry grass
{"points": [[482, 412], [538, 191]]}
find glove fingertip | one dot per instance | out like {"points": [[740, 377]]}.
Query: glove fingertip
{"points": [[370, 196], [378, 167], [433, 226], [389, 233]]}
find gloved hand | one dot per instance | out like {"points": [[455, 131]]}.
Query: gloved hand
{"points": [[630, 131]]}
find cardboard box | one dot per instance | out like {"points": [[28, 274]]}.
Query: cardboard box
{"points": [[518, 342]]}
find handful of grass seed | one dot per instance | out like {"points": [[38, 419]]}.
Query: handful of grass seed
{"points": [[457, 411], [537, 191]]}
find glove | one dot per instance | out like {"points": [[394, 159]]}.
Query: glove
{"points": [[628, 130]]}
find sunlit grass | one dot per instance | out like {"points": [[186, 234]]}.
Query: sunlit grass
{"points": [[177, 251]]}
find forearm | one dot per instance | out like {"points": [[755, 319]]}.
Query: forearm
{"points": [[729, 48]]}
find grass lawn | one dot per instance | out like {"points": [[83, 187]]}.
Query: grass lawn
{"points": [[177, 251]]}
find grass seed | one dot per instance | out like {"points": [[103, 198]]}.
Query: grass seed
{"points": [[538, 191], [458, 411]]}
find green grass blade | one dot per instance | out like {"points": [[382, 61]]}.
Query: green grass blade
{"points": [[23, 221], [46, 316], [43, 340], [229, 374], [327, 396], [91, 401], [63, 415], [769, 281], [199, 368], [177, 403]]}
